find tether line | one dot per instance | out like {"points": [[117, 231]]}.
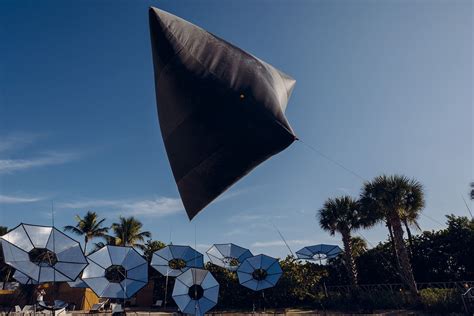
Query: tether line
{"points": [[337, 163], [283, 238], [357, 175], [467, 206]]}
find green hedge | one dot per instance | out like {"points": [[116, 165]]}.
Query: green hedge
{"points": [[441, 300], [432, 300]]}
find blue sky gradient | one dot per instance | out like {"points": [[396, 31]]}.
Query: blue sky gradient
{"points": [[382, 87]]}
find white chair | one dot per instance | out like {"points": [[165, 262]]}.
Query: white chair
{"points": [[61, 311], [18, 310], [28, 309], [116, 309], [99, 306], [158, 303], [60, 307]]}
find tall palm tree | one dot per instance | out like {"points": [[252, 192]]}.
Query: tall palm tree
{"points": [[390, 198], [391, 240], [128, 232], [472, 190], [410, 219], [342, 215], [90, 226]]}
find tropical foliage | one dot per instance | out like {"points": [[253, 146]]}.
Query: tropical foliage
{"points": [[408, 258], [446, 255], [128, 232], [150, 247], [394, 199], [342, 215], [90, 226]]}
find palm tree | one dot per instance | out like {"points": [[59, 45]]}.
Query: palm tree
{"points": [[342, 215], [108, 240], [359, 246], [391, 239], [150, 247], [91, 226], [472, 190], [128, 232], [391, 198]]}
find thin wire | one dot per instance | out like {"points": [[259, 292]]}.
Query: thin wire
{"points": [[332, 160], [283, 238], [365, 180], [171, 230], [54, 248], [467, 206], [196, 306], [432, 219], [52, 214], [353, 172]]}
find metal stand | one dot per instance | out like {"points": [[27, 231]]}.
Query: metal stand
{"points": [[166, 290]]}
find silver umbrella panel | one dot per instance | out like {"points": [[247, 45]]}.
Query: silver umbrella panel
{"points": [[259, 272], [43, 253], [116, 272], [78, 284], [228, 256], [23, 278], [173, 260], [195, 291], [319, 252]]}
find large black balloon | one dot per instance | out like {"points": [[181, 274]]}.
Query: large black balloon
{"points": [[221, 110]]}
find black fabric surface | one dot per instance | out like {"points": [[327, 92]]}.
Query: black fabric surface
{"points": [[220, 109]]}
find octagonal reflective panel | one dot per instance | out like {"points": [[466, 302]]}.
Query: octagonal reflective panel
{"points": [[319, 252], [228, 256], [23, 278], [78, 284], [174, 260], [43, 253], [195, 291], [116, 272], [259, 272]]}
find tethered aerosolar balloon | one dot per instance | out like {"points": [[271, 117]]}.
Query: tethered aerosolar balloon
{"points": [[221, 110]]}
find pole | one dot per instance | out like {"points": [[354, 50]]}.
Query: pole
{"points": [[166, 289], [324, 282], [54, 251]]}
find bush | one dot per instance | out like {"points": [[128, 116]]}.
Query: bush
{"points": [[441, 300], [367, 301], [431, 300]]}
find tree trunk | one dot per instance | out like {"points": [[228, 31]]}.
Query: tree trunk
{"points": [[7, 277], [406, 270], [349, 258], [410, 238], [86, 240], [392, 242]]}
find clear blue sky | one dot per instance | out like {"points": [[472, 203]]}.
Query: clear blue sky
{"points": [[382, 87]]}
